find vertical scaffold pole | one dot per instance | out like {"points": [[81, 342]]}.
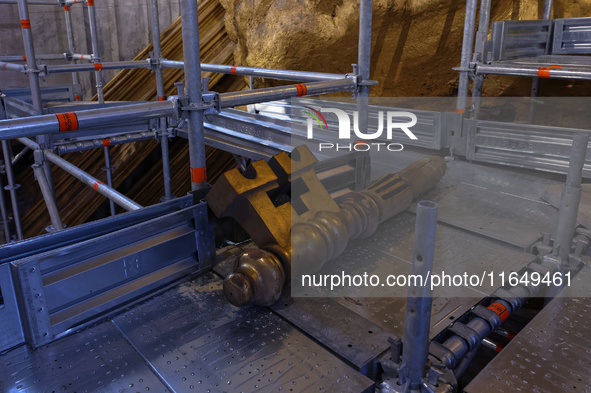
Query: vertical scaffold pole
{"points": [[161, 96], [364, 60], [95, 52], [535, 86], [467, 43], [33, 72], [12, 190], [417, 321], [69, 31], [571, 197], [189, 20], [479, 55]]}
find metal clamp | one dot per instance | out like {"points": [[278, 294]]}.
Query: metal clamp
{"points": [[368, 82], [493, 319], [511, 298], [467, 334], [41, 70], [471, 69], [210, 104], [154, 63], [15, 187], [443, 354]]}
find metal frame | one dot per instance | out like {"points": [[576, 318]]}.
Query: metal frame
{"points": [[533, 49], [63, 281]]}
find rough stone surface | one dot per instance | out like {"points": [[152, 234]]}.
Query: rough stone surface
{"points": [[415, 43]]}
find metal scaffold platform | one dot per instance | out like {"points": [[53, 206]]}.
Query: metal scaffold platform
{"points": [[189, 335]]}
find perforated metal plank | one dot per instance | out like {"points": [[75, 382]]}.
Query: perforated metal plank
{"points": [[389, 313], [95, 360], [196, 341], [495, 203], [551, 354], [456, 252], [354, 337]]}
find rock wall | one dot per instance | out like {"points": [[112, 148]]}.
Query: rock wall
{"points": [[415, 43]]}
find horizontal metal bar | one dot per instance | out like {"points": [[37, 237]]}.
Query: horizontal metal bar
{"points": [[81, 56], [119, 65], [92, 182], [299, 76], [228, 100], [60, 56], [12, 66], [50, 124], [33, 2], [111, 141], [515, 69]]}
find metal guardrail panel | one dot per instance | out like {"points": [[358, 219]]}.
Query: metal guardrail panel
{"points": [[572, 36], [522, 145], [70, 286], [515, 39], [17, 108], [50, 241], [48, 93], [10, 318], [430, 128]]}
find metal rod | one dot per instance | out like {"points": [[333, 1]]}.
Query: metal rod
{"points": [[420, 297], [82, 56], [191, 48], [531, 71], [535, 86], [364, 60], [109, 171], [60, 56], [91, 181], [571, 197], [246, 97], [47, 193], [79, 120], [300, 76], [32, 2], [547, 14], [468, 41], [23, 11], [70, 34], [12, 189], [12, 67], [95, 53], [20, 155], [154, 20], [119, 65], [479, 55], [43, 140], [3, 213], [98, 143]]}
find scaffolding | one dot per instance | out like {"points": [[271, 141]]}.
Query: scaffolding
{"points": [[87, 129], [52, 130], [540, 49]]}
